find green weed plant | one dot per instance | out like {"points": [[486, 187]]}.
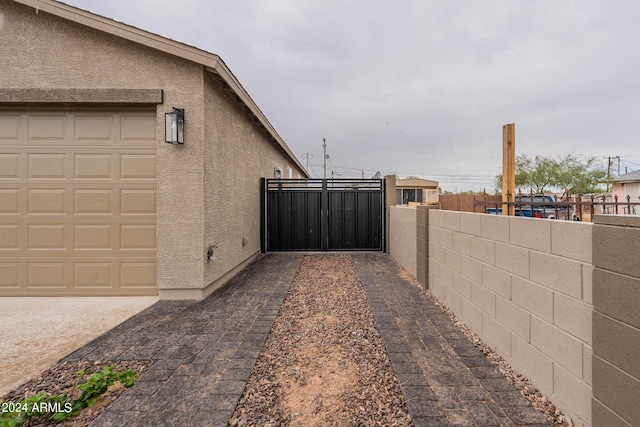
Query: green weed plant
{"points": [[16, 414]]}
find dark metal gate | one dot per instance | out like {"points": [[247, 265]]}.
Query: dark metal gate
{"points": [[322, 214]]}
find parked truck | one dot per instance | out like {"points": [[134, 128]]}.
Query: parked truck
{"points": [[540, 206]]}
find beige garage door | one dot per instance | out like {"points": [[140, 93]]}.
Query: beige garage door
{"points": [[78, 203]]}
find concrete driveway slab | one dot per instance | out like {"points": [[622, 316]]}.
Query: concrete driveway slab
{"points": [[35, 332]]}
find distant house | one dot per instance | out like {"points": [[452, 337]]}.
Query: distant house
{"points": [[93, 201], [416, 191], [627, 185]]}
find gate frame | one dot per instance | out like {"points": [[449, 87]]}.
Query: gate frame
{"points": [[324, 216]]}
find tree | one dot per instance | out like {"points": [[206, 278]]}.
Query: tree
{"points": [[581, 175], [570, 173]]}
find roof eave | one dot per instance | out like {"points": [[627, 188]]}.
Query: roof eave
{"points": [[227, 76], [123, 30]]}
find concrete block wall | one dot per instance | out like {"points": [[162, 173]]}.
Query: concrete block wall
{"points": [[405, 223], [525, 286], [422, 250], [403, 237], [616, 321]]}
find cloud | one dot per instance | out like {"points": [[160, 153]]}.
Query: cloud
{"points": [[423, 87]]}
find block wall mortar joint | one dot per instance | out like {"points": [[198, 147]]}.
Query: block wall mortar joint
{"points": [[510, 287], [584, 367], [582, 281], [510, 344]]}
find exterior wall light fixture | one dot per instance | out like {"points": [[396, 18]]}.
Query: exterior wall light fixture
{"points": [[174, 126], [277, 173]]}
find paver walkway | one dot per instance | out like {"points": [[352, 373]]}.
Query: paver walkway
{"points": [[444, 378], [204, 353]]}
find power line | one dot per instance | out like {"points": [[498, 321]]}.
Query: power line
{"points": [[632, 163], [469, 179], [420, 174], [411, 150]]}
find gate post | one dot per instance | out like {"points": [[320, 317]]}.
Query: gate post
{"points": [[389, 183], [324, 216], [263, 214]]}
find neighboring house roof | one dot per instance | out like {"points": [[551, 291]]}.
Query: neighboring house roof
{"points": [[212, 62], [416, 183], [628, 177]]}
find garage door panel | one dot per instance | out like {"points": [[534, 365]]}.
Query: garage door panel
{"points": [[49, 127], [46, 275], [93, 202], [139, 129], [44, 165], [137, 202], [93, 166], [49, 236], [138, 166], [10, 165], [9, 237], [9, 201], [138, 236], [93, 275], [93, 128], [138, 274], [10, 128], [46, 201], [93, 237], [78, 203], [9, 275]]}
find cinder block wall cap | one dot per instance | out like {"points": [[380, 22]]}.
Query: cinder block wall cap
{"points": [[620, 220]]}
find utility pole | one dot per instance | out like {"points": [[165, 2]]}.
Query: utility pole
{"points": [[324, 157], [608, 173], [307, 156], [609, 165]]}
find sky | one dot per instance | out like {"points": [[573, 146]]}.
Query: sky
{"points": [[423, 87]]}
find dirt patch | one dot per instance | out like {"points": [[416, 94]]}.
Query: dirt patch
{"points": [[324, 362], [62, 379]]}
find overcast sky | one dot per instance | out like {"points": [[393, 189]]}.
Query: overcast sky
{"points": [[423, 87]]}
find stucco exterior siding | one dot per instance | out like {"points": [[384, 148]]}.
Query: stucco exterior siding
{"points": [[208, 188], [237, 154]]}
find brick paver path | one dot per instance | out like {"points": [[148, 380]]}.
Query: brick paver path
{"points": [[444, 378], [203, 353]]}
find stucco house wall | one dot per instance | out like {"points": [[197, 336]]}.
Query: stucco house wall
{"points": [[208, 188], [627, 185], [237, 154]]}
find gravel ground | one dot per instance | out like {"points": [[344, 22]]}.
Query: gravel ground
{"points": [[324, 362], [61, 379]]}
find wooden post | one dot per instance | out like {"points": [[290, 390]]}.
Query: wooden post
{"points": [[508, 167]]}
